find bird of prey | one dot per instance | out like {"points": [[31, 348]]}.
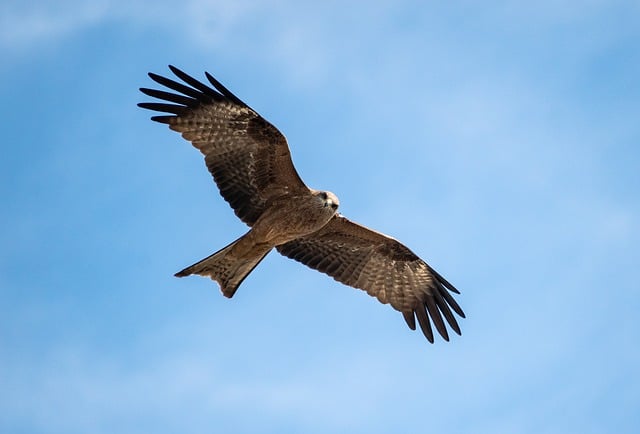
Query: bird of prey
{"points": [[250, 162]]}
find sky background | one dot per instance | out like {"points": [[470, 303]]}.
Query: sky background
{"points": [[499, 140]]}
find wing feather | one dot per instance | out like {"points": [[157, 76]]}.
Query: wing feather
{"points": [[172, 97], [423, 320], [410, 318], [384, 268], [248, 157], [181, 88]]}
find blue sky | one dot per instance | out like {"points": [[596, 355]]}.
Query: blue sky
{"points": [[498, 140]]}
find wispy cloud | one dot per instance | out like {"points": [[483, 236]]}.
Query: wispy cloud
{"points": [[25, 25], [77, 390], [480, 142]]}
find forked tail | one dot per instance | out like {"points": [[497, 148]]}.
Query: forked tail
{"points": [[227, 267]]}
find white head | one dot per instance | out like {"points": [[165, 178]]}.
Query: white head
{"points": [[329, 200]]}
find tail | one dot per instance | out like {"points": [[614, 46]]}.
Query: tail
{"points": [[227, 267]]}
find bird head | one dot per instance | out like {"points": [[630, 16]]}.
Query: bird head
{"points": [[329, 200]]}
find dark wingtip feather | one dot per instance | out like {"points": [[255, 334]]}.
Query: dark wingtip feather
{"points": [[442, 291], [445, 310], [436, 317], [171, 97], [223, 90], [410, 319], [177, 71], [192, 81], [156, 77], [453, 324], [162, 107], [163, 119], [442, 280], [423, 320], [181, 88], [184, 272]]}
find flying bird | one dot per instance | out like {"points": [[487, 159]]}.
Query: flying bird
{"points": [[251, 164]]}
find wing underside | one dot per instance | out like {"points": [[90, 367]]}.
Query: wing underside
{"points": [[384, 268], [248, 157]]}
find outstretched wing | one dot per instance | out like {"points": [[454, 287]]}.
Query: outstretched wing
{"points": [[384, 268], [247, 156]]}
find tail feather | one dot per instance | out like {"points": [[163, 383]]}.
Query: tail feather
{"points": [[226, 267]]}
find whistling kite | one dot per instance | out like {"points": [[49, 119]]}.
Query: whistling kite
{"points": [[251, 164]]}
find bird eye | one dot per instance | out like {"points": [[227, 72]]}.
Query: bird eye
{"points": [[323, 195]]}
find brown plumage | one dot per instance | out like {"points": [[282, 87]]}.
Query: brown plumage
{"points": [[250, 162]]}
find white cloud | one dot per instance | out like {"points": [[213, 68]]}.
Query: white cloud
{"points": [[504, 133], [26, 25], [76, 390]]}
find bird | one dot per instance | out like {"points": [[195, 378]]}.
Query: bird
{"points": [[251, 163]]}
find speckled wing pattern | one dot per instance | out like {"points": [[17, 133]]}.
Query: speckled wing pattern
{"points": [[384, 268], [247, 156]]}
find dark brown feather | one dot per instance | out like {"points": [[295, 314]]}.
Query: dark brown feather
{"points": [[436, 317], [423, 320], [192, 81], [172, 97], [179, 87], [410, 318], [161, 107], [223, 90]]}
